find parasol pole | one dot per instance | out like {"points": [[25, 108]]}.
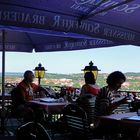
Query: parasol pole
{"points": [[3, 82], [3, 67], [2, 128]]}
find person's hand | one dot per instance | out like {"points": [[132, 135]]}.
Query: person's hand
{"points": [[42, 94]]}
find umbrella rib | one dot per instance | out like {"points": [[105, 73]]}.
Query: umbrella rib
{"points": [[110, 8], [104, 10], [92, 9]]}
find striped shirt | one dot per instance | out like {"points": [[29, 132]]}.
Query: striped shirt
{"points": [[104, 104]]}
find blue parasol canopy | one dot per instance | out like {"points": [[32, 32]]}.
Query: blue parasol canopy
{"points": [[115, 20]]}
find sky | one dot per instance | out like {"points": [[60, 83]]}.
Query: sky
{"points": [[122, 58]]}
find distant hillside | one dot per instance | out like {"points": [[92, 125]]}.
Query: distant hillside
{"points": [[48, 75], [14, 74], [132, 74], [59, 76], [76, 80]]}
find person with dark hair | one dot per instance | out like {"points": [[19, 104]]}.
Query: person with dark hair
{"points": [[90, 86], [105, 101]]}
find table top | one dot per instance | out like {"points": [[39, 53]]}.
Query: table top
{"points": [[132, 118], [50, 107], [40, 101], [119, 116], [7, 96], [47, 104]]}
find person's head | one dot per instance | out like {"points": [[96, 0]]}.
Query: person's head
{"points": [[28, 76], [89, 78], [115, 80]]}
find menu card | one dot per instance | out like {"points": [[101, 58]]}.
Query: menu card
{"points": [[132, 118]]}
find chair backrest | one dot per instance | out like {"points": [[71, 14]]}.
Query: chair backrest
{"points": [[76, 120], [16, 96], [87, 102], [32, 131]]}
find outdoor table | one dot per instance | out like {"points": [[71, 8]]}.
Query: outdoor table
{"points": [[53, 109], [7, 99], [117, 117], [114, 120], [50, 107], [7, 96], [127, 124]]}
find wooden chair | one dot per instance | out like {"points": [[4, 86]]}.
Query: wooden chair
{"points": [[11, 117]]}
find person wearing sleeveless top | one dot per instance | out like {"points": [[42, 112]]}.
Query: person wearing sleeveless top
{"points": [[90, 85]]}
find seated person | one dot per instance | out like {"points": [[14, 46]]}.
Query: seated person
{"points": [[25, 91], [90, 85], [105, 101]]}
